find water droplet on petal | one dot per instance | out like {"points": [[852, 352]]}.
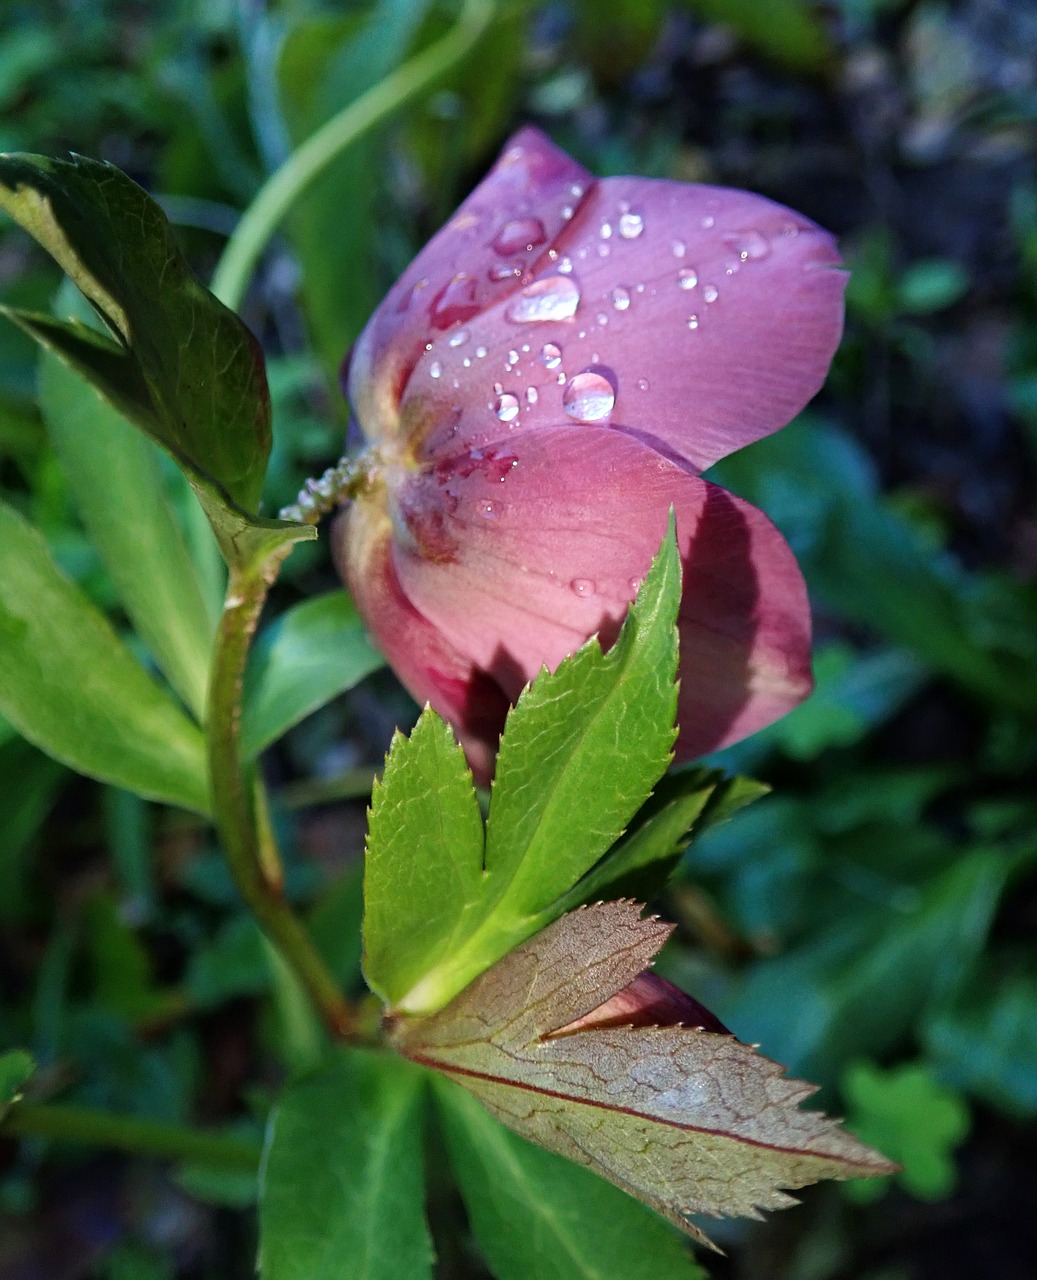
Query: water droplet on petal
{"points": [[532, 395], [708, 222], [750, 245], [488, 509], [635, 585], [513, 357], [693, 322], [567, 212], [565, 266], [582, 587], [620, 298], [589, 397], [550, 356], [606, 230], [480, 352], [435, 369], [603, 251], [502, 271], [642, 384], [575, 190], [631, 225], [506, 407], [560, 379], [519, 234], [679, 248], [602, 319], [710, 292], [687, 278], [458, 339], [455, 302], [551, 298]]}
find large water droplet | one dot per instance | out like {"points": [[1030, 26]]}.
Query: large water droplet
{"points": [[589, 397], [506, 407], [687, 278], [750, 245], [710, 292], [620, 298], [551, 298], [550, 356], [435, 369], [519, 234], [582, 586], [455, 302], [631, 225]]}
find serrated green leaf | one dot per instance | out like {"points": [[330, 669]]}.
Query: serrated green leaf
{"points": [[195, 370], [580, 753], [341, 1187], [424, 869], [70, 685], [16, 1068], [537, 1216], [177, 363], [311, 654], [114, 474]]}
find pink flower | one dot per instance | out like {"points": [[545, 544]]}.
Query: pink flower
{"points": [[554, 369]]}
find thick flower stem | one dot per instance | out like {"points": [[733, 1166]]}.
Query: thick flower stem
{"points": [[234, 800], [130, 1133], [282, 188]]}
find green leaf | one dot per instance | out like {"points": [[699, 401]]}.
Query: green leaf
{"points": [[581, 752], [16, 1067], [113, 472], [424, 867], [192, 370], [311, 654], [69, 684], [537, 1216], [176, 362], [341, 1186], [913, 1118], [786, 31], [29, 783]]}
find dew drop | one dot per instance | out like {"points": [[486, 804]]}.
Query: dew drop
{"points": [[631, 225], [602, 319], [589, 397], [467, 362], [519, 234], [620, 298], [488, 509], [687, 278], [710, 292], [455, 302], [532, 395], [480, 352], [642, 384], [458, 339], [679, 248], [606, 230], [502, 271], [550, 355], [575, 190], [750, 245], [635, 585], [506, 407], [567, 212], [561, 378], [708, 222], [603, 251], [693, 322], [551, 298], [435, 369], [565, 266], [582, 587]]}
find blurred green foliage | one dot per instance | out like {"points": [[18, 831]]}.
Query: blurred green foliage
{"points": [[871, 923]]}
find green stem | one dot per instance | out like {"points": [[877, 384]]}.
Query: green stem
{"points": [[233, 796], [130, 1133], [282, 188]]}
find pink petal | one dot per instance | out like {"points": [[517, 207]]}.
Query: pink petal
{"points": [[517, 555], [430, 669], [712, 314], [499, 233], [648, 1001]]}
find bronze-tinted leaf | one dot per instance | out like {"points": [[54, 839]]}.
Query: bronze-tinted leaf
{"points": [[681, 1115]]}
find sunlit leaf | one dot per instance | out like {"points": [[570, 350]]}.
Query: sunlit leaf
{"points": [[70, 685], [684, 1117]]}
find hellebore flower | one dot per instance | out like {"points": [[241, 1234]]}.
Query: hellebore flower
{"points": [[550, 374]]}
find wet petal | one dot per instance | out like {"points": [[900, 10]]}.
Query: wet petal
{"points": [[705, 317], [488, 249], [648, 1001], [518, 554], [427, 665]]}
